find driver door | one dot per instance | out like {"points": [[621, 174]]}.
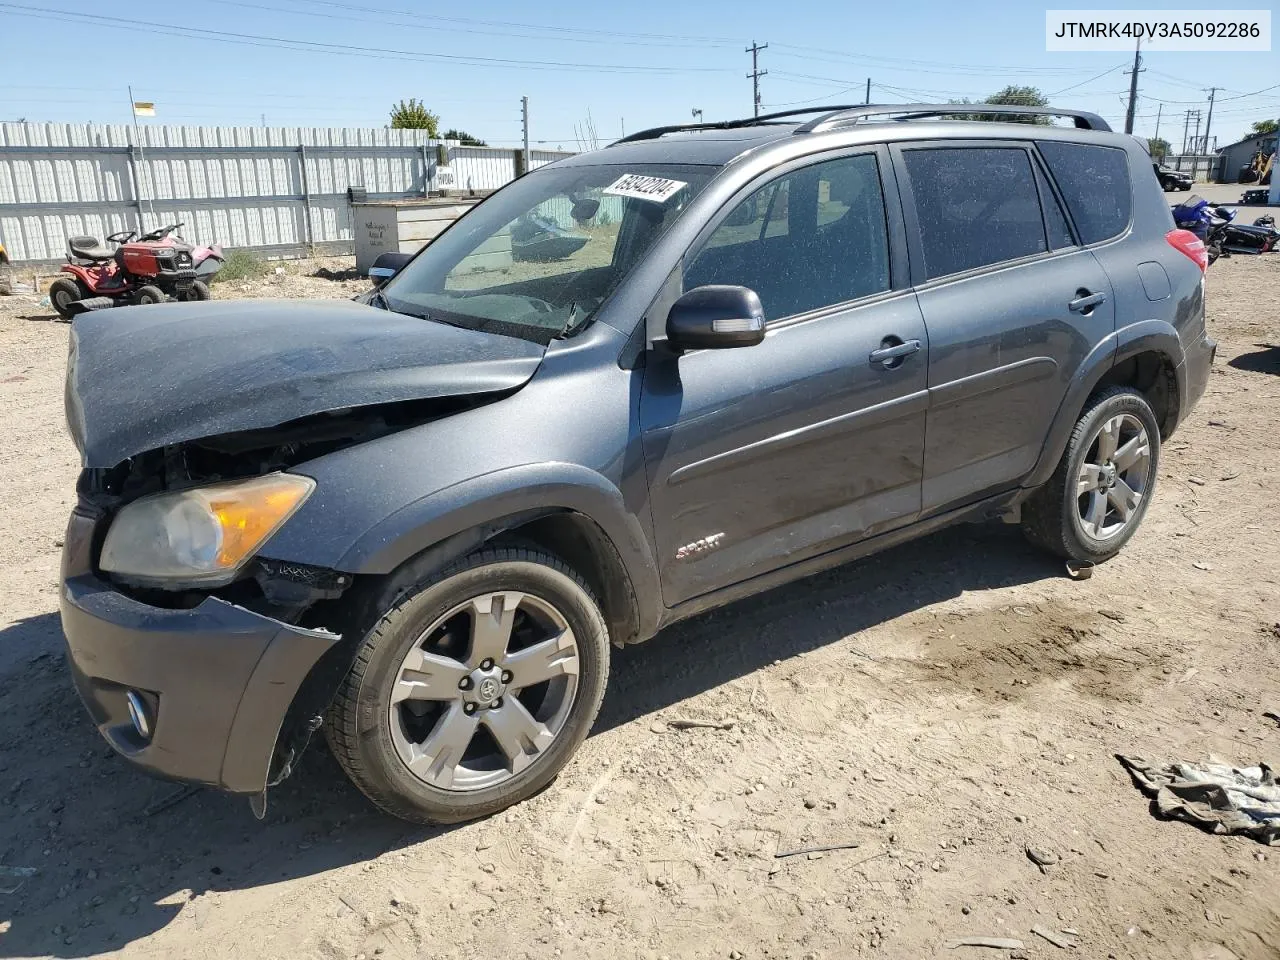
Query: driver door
{"points": [[761, 457]]}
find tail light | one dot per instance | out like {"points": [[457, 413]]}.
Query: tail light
{"points": [[1188, 244]]}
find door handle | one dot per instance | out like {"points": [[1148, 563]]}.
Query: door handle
{"points": [[891, 356], [1086, 301]]}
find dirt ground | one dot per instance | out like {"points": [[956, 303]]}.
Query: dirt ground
{"points": [[942, 706]]}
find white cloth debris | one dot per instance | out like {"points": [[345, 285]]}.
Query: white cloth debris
{"points": [[1216, 796]]}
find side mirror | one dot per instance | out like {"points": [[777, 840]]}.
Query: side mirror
{"points": [[716, 316], [387, 266], [584, 210]]}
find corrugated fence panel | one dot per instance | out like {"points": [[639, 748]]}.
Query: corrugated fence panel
{"points": [[540, 158], [238, 186]]}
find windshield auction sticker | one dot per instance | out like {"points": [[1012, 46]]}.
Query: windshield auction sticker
{"points": [[657, 189], [1201, 30]]}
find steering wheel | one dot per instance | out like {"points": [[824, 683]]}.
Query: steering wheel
{"points": [[124, 236], [159, 234]]}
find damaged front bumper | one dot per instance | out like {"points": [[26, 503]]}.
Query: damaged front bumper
{"points": [[212, 684]]}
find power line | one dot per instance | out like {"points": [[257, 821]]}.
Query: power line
{"points": [[603, 34], [485, 28], [378, 53], [1090, 80], [919, 66]]}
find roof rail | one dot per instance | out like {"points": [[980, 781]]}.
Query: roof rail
{"points": [[838, 117], [654, 132], [835, 116]]}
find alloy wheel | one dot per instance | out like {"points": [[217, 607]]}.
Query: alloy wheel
{"points": [[484, 691], [1114, 476]]}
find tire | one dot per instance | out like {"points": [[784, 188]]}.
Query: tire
{"points": [[63, 292], [199, 290], [1061, 516], [149, 294], [375, 738]]}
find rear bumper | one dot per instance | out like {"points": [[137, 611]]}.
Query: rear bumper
{"points": [[1193, 372], [217, 680]]}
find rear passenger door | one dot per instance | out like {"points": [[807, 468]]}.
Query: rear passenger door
{"points": [[1012, 303]]}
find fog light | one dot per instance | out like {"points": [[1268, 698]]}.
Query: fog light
{"points": [[138, 714]]}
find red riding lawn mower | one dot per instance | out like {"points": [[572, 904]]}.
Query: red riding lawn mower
{"points": [[151, 268]]}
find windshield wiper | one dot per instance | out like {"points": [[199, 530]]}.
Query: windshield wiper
{"points": [[570, 321], [379, 299]]}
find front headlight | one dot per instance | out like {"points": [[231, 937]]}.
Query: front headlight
{"points": [[200, 537]]}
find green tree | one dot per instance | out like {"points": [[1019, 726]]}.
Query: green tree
{"points": [[466, 139], [1265, 126], [1159, 148], [1016, 96], [412, 114], [1010, 96]]}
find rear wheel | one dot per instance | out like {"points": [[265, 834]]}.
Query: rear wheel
{"points": [[1099, 493], [63, 292], [474, 689], [149, 294], [199, 290]]}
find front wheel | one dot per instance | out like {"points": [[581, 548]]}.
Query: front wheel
{"points": [[474, 689], [149, 294], [1102, 487], [199, 290]]}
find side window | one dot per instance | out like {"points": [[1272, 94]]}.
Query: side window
{"points": [[763, 214], [1055, 220], [976, 206], [812, 238], [1095, 183]]}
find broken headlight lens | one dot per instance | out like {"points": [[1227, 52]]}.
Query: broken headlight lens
{"points": [[202, 536]]}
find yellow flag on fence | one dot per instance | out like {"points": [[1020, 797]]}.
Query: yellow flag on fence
{"points": [[142, 108]]}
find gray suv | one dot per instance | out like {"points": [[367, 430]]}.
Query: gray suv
{"points": [[631, 386]]}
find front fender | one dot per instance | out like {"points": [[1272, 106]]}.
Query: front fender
{"points": [[1145, 336], [488, 504], [512, 492]]}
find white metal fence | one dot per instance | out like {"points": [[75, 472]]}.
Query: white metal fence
{"points": [[1200, 166], [281, 190]]}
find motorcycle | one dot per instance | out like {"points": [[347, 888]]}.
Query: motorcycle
{"points": [[1209, 224], [1262, 237], [151, 268]]}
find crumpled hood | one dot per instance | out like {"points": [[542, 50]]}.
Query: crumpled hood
{"points": [[139, 378]]}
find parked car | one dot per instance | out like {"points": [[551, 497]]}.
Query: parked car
{"points": [[420, 521], [1173, 180]]}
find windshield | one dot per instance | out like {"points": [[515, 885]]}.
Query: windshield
{"points": [[539, 258]]}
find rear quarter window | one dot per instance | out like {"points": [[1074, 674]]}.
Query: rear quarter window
{"points": [[1094, 182]]}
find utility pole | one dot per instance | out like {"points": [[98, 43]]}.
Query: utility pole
{"points": [[755, 74], [868, 97], [1209, 119], [1133, 87], [1195, 137], [524, 123], [1159, 112], [1186, 127]]}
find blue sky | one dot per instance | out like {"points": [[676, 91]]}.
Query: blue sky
{"points": [[626, 66]]}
